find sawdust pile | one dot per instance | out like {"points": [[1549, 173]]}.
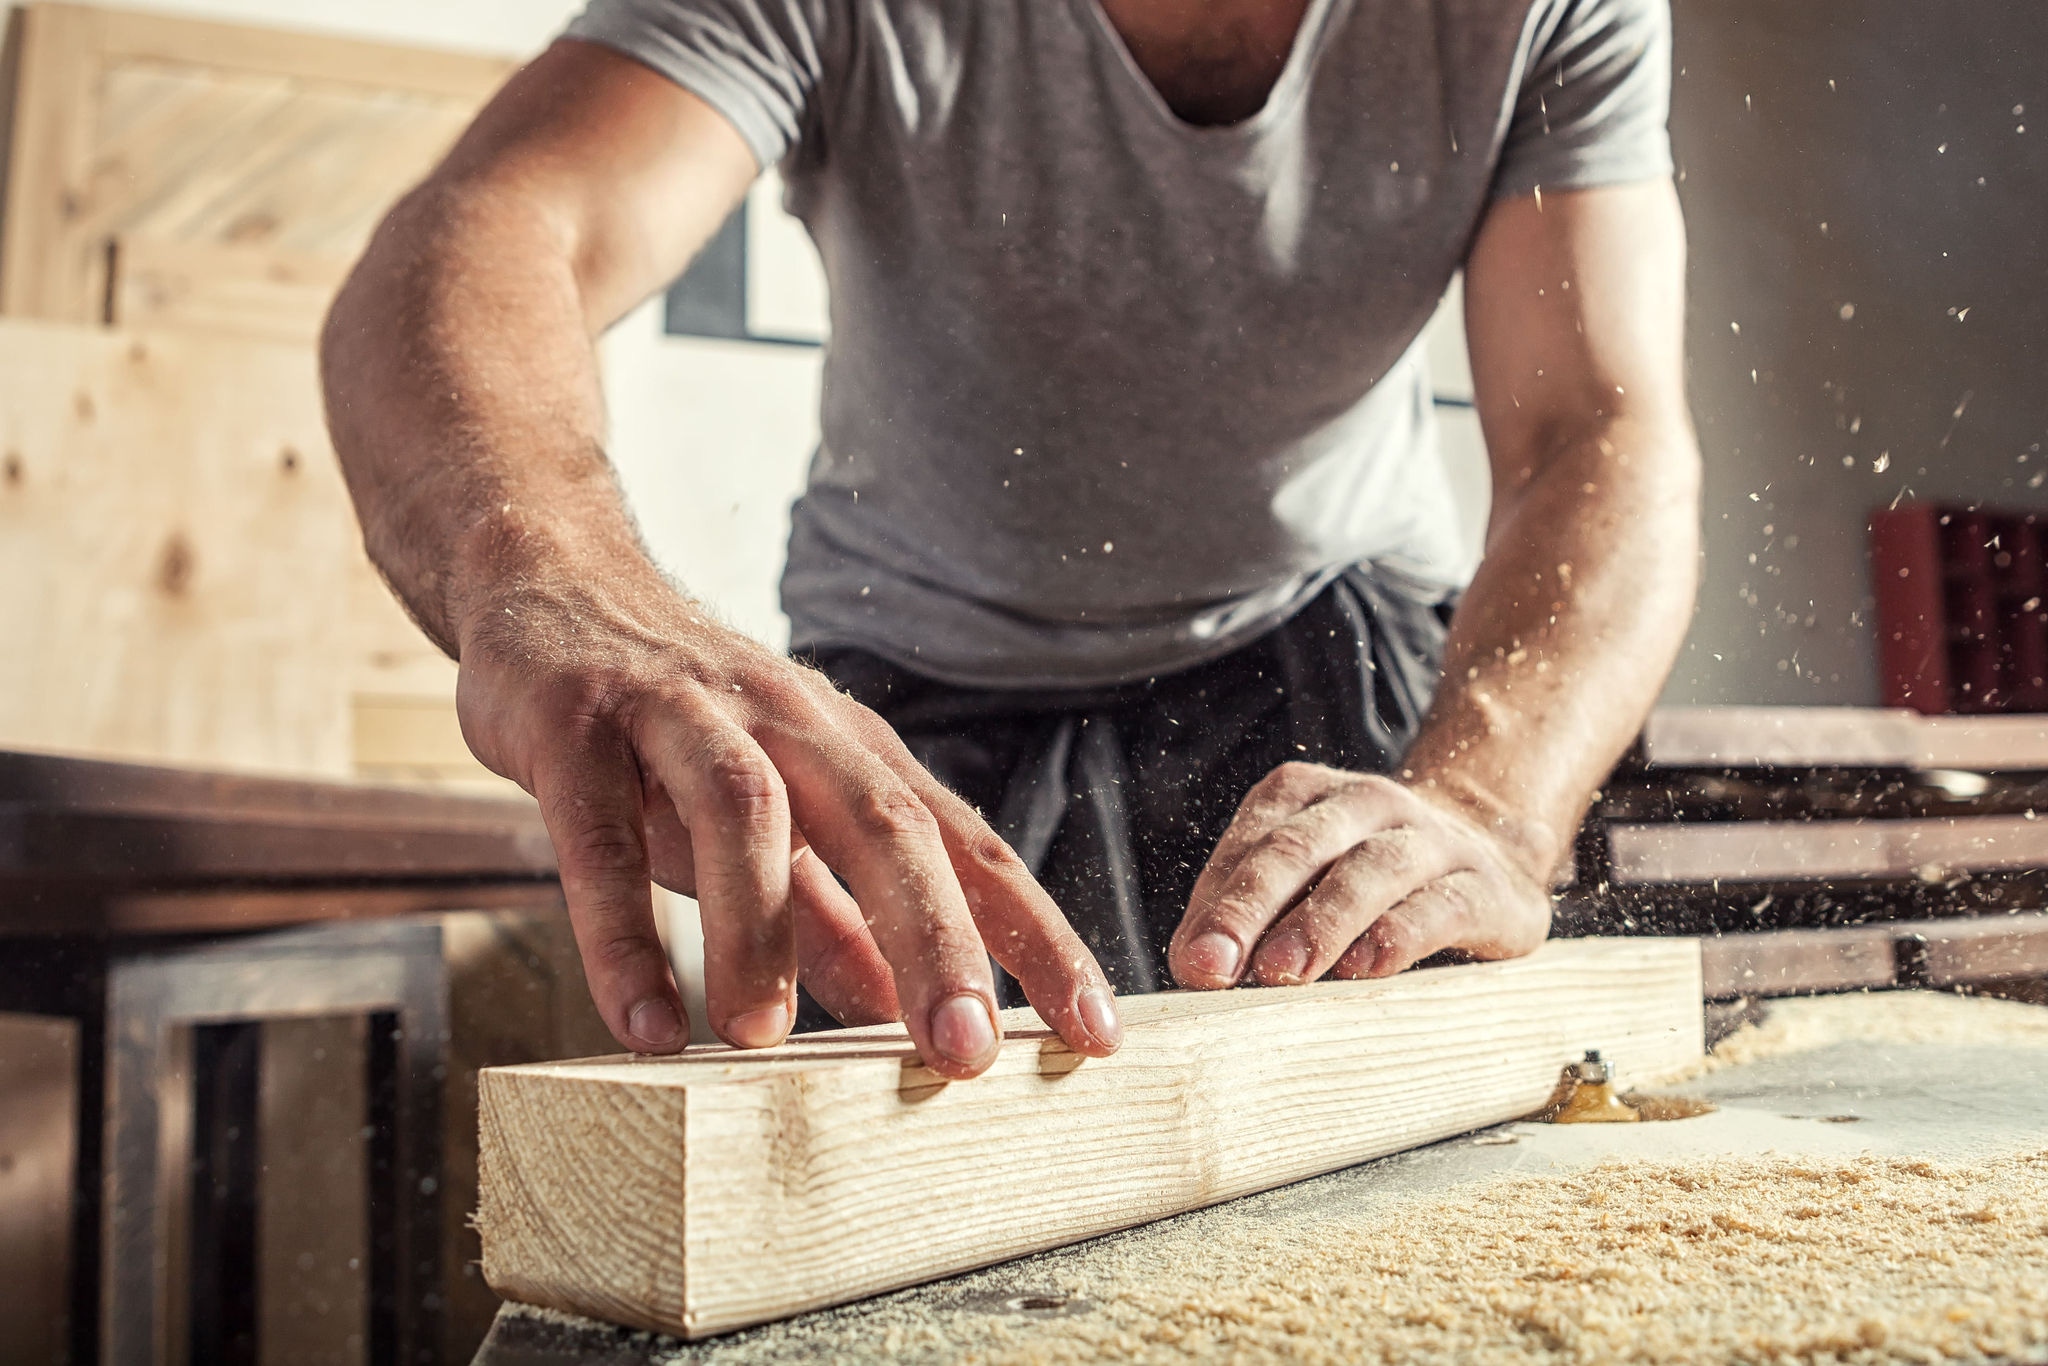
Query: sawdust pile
{"points": [[1798, 1024], [1731, 1260]]}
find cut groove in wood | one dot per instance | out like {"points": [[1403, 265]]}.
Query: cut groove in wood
{"points": [[704, 1193]]}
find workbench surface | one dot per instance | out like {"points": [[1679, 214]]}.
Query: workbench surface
{"points": [[1942, 1101]]}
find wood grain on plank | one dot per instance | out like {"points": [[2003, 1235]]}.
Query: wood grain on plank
{"points": [[1813, 851], [720, 1189]]}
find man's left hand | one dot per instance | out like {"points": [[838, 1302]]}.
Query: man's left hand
{"points": [[1329, 871]]}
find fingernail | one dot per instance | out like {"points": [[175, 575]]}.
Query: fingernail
{"points": [[1285, 956], [1214, 955], [961, 1028], [654, 1021], [763, 1028], [1097, 1009]]}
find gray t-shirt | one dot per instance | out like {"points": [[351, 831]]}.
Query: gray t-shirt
{"points": [[1108, 394]]}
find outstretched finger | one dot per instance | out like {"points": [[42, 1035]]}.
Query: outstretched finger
{"points": [[837, 960], [590, 800], [731, 799], [870, 827], [1022, 927]]}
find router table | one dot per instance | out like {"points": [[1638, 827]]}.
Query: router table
{"points": [[1939, 1101]]}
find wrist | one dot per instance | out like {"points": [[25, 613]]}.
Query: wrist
{"points": [[509, 560]]}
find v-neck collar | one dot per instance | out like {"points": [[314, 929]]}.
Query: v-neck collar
{"points": [[1287, 86]]}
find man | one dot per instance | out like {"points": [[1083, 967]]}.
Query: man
{"points": [[1126, 526]]}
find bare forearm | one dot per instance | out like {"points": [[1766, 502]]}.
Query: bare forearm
{"points": [[463, 397], [1566, 635]]}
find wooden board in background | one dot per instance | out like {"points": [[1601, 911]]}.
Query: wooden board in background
{"points": [[171, 170], [176, 543], [186, 579], [1841, 737], [38, 1148], [721, 1189], [1930, 850], [1968, 951]]}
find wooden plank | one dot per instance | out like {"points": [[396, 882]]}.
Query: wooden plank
{"points": [[720, 1189], [1841, 737], [38, 1154], [1985, 743], [176, 542], [187, 578], [42, 272], [240, 169], [61, 909], [1796, 962], [275, 294], [55, 784], [1981, 949], [1764, 737], [1814, 851]]}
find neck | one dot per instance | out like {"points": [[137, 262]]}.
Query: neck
{"points": [[1212, 61]]}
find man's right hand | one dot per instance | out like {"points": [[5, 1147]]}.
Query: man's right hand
{"points": [[463, 395], [663, 745]]}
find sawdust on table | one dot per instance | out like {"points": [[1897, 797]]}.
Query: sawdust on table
{"points": [[1799, 1024], [1726, 1260], [1707, 1260]]}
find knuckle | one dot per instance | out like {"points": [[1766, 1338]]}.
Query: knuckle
{"points": [[746, 785], [602, 844], [1456, 894], [1288, 846], [623, 950], [1396, 935], [779, 691], [1296, 775], [1391, 851], [890, 811], [818, 687], [989, 854], [586, 698], [1380, 786]]}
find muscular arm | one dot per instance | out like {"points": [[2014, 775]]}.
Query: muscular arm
{"points": [[459, 360], [1573, 314], [463, 396]]}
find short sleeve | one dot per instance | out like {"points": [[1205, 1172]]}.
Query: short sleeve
{"points": [[1595, 100], [757, 62]]}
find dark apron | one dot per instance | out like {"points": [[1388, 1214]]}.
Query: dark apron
{"points": [[1114, 797]]}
